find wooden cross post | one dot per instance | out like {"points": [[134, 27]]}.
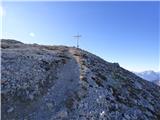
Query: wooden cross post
{"points": [[77, 38]]}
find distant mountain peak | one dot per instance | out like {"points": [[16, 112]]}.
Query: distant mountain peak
{"points": [[150, 75]]}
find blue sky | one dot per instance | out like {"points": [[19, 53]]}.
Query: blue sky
{"points": [[123, 32]]}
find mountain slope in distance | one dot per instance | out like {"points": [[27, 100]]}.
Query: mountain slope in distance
{"points": [[150, 76]]}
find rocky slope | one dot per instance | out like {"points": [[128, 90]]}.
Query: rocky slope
{"points": [[64, 83]]}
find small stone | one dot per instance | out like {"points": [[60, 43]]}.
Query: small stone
{"points": [[63, 114], [31, 97], [3, 81], [127, 117], [102, 113], [49, 105], [149, 113], [10, 109]]}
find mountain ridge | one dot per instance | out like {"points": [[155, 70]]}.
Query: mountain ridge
{"points": [[59, 82], [150, 75]]}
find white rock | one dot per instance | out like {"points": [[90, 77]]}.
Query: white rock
{"points": [[10, 109]]}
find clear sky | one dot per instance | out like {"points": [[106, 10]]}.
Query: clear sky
{"points": [[123, 32]]}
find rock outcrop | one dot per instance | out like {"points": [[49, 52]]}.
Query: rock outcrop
{"points": [[65, 83]]}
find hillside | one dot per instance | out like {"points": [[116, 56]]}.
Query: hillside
{"points": [[65, 83]]}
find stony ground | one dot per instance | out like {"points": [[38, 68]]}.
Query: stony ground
{"points": [[65, 83]]}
